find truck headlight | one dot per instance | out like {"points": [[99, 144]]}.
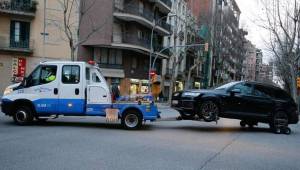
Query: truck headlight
{"points": [[8, 91], [192, 94]]}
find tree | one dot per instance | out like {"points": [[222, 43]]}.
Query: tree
{"points": [[74, 12], [283, 24]]}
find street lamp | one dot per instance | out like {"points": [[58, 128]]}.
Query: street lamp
{"points": [[151, 47]]}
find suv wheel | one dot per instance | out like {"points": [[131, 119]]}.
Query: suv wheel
{"points": [[23, 115], [279, 122], [209, 111]]}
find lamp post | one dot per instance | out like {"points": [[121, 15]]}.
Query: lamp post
{"points": [[151, 47]]}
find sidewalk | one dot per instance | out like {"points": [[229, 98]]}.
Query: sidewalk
{"points": [[163, 105]]}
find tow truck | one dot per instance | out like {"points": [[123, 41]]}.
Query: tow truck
{"points": [[65, 88]]}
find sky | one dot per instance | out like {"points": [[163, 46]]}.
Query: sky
{"points": [[250, 10]]}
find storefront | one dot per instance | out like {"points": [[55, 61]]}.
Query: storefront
{"points": [[138, 86]]}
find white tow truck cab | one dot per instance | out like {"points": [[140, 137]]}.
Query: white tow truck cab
{"points": [[71, 89]]}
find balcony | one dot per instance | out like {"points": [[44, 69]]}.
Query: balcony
{"points": [[164, 5], [144, 17], [132, 41], [18, 8], [10, 46]]}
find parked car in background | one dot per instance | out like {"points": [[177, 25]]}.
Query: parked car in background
{"points": [[250, 102]]}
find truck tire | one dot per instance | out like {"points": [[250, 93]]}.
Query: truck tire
{"points": [[23, 116], [132, 120]]}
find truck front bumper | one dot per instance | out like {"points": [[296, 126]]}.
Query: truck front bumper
{"points": [[7, 107]]}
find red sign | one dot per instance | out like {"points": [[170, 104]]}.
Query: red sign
{"points": [[21, 67], [18, 69]]}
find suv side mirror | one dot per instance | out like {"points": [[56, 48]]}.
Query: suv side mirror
{"points": [[235, 91]]}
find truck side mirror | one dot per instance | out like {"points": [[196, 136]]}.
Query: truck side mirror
{"points": [[24, 82]]}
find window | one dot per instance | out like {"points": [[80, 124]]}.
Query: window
{"points": [[280, 94], [19, 34], [34, 78], [87, 73], [134, 63], [95, 78], [246, 89], [71, 74], [42, 75], [261, 91], [104, 56], [141, 7], [111, 56], [48, 74]]}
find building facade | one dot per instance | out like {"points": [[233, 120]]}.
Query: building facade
{"points": [[26, 38], [122, 47], [249, 63], [178, 20]]}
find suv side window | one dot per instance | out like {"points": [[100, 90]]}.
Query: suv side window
{"points": [[70, 74], [246, 89], [261, 91], [280, 94]]}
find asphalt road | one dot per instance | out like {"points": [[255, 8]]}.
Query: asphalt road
{"points": [[91, 143]]}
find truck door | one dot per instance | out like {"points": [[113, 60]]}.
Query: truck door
{"points": [[98, 94], [71, 91], [41, 87]]}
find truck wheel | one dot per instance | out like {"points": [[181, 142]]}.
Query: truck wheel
{"points": [[243, 123], [279, 121], [23, 115], [209, 111], [132, 120]]}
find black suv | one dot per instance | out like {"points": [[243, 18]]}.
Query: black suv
{"points": [[250, 102]]}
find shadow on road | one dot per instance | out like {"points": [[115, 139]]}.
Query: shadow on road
{"points": [[102, 125], [222, 129], [147, 127]]}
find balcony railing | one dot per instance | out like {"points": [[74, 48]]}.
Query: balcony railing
{"points": [[134, 10], [140, 15], [133, 39], [20, 8], [164, 25], [167, 2], [10, 45]]}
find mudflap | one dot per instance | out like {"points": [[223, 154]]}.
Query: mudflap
{"points": [[112, 115]]}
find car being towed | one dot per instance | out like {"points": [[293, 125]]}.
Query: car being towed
{"points": [[250, 102]]}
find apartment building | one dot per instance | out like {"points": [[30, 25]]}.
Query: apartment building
{"points": [[229, 42], [178, 20], [249, 63], [122, 47], [29, 35]]}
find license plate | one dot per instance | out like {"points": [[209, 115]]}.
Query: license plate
{"points": [[174, 102]]}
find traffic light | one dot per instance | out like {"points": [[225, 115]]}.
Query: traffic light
{"points": [[298, 82]]}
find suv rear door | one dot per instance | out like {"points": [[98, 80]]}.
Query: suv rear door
{"points": [[262, 101]]}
